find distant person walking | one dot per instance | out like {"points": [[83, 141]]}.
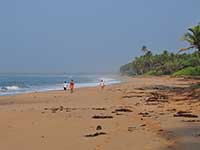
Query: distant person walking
{"points": [[102, 84], [65, 86], [71, 86]]}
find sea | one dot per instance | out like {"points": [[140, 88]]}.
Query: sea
{"points": [[12, 84]]}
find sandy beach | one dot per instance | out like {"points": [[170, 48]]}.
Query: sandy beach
{"points": [[142, 113]]}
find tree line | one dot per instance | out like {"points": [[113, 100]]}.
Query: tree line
{"points": [[168, 63]]}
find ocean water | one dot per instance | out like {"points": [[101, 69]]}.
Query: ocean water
{"points": [[25, 83]]}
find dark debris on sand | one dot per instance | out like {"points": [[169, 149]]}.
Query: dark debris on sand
{"points": [[102, 117], [122, 110], [156, 97], [190, 120], [95, 134], [185, 114], [144, 114], [99, 127], [131, 96], [100, 108]]}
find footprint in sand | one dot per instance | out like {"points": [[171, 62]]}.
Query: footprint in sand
{"points": [[97, 147], [107, 140]]}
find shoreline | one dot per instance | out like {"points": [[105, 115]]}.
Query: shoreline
{"points": [[42, 88], [119, 117]]}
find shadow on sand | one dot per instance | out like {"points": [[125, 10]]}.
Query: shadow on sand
{"points": [[183, 138]]}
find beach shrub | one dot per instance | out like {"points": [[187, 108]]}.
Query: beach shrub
{"points": [[194, 71], [151, 73]]}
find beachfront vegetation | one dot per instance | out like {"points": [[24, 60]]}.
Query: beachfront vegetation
{"points": [[194, 71], [193, 38], [168, 63], [163, 64]]}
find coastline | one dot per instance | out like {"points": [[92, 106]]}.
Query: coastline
{"points": [[60, 120], [42, 83]]}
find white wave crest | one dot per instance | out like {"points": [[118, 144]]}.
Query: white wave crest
{"points": [[11, 88]]}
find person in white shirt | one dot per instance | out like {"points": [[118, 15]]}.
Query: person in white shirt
{"points": [[65, 86], [102, 84]]}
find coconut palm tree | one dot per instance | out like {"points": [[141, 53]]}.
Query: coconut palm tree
{"points": [[144, 49], [193, 38]]}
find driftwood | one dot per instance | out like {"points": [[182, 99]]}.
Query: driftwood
{"points": [[122, 110], [95, 134], [99, 108], [143, 125], [102, 117], [185, 114]]}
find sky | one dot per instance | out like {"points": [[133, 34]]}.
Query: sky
{"points": [[88, 35]]}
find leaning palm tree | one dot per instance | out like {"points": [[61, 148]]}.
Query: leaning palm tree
{"points": [[193, 38]]}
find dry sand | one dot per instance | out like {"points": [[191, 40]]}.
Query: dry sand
{"points": [[135, 115]]}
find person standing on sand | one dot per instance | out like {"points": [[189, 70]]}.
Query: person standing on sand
{"points": [[65, 86], [71, 86], [102, 84]]}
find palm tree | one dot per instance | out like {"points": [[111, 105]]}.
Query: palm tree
{"points": [[144, 49], [193, 38], [147, 59]]}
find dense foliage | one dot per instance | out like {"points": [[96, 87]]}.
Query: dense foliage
{"points": [[194, 71], [162, 64], [168, 63]]}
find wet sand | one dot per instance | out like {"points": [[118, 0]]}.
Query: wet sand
{"points": [[143, 113]]}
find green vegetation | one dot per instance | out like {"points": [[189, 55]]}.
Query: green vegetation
{"points": [[162, 64], [168, 63], [193, 38], [195, 71]]}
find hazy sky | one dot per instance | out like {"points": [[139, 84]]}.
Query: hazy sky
{"points": [[88, 35]]}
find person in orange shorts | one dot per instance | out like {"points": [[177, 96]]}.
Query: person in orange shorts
{"points": [[71, 86]]}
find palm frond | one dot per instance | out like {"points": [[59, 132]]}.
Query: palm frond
{"points": [[192, 37], [185, 49]]}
